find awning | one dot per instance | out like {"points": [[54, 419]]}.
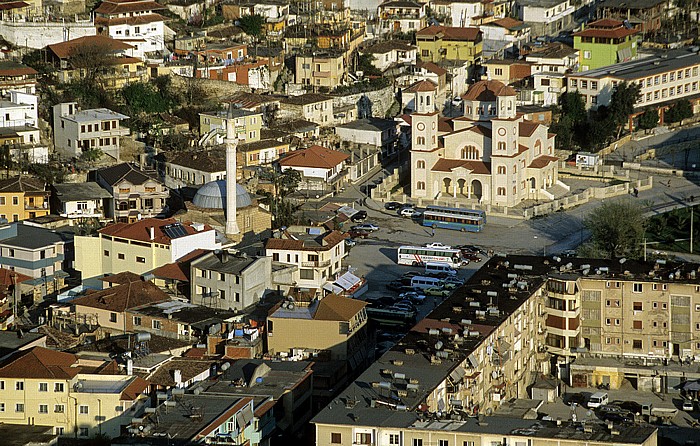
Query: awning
{"points": [[347, 281], [624, 54], [472, 361], [333, 288], [457, 374]]}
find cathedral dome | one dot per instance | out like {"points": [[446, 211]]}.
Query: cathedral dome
{"points": [[487, 91], [212, 195]]}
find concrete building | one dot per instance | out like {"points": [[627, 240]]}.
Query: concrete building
{"points": [[314, 107], [77, 130], [230, 281], [488, 156], [134, 21], [401, 16], [605, 42], [316, 254], [78, 397], [19, 128], [79, 200], [507, 71], [140, 247], [22, 198], [549, 68], [644, 15], [381, 133], [504, 37], [663, 78], [15, 76], [212, 125], [321, 69], [322, 170], [546, 17], [135, 193], [438, 43], [391, 53]]}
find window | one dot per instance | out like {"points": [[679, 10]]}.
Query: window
{"points": [[43, 408], [617, 322], [417, 442], [19, 407], [574, 83], [2, 407], [222, 294], [420, 185], [113, 317], [2, 385], [501, 145], [84, 432], [501, 170], [394, 439], [654, 305], [137, 320], [106, 253], [637, 306], [420, 164], [637, 325], [420, 140], [502, 191], [637, 344], [15, 201], [58, 387], [594, 85], [59, 408], [443, 443], [222, 277], [84, 410], [607, 321], [584, 84], [19, 385], [120, 256], [43, 387], [307, 274], [586, 54], [155, 324], [140, 259], [336, 438]]}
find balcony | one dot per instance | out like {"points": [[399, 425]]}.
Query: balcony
{"points": [[316, 264]]}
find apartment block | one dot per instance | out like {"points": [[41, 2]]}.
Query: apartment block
{"points": [[22, 198], [438, 43], [318, 69], [401, 16], [605, 42], [546, 17], [314, 107], [135, 193], [77, 130], [212, 125]]}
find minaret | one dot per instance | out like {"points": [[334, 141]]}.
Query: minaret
{"points": [[231, 145]]}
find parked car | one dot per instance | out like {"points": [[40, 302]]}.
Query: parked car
{"points": [[411, 274], [365, 227], [392, 206], [358, 234], [455, 280], [575, 398], [413, 295], [631, 406], [619, 417], [395, 285], [350, 242], [436, 291], [449, 285], [402, 307], [472, 257], [437, 245], [359, 216], [688, 406], [408, 212]]}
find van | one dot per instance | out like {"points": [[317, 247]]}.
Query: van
{"points": [[423, 282], [439, 267], [598, 399]]}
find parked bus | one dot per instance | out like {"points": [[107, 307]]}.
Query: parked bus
{"points": [[419, 256], [471, 220]]}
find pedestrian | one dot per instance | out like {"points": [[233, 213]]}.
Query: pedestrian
{"points": [[636, 192], [432, 232]]}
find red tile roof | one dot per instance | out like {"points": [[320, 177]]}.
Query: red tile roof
{"points": [[121, 6], [6, 6], [135, 388], [135, 20], [121, 297], [527, 128], [609, 28], [179, 270], [508, 23], [9, 277], [64, 50], [542, 161], [448, 165], [329, 240], [140, 230], [445, 125], [451, 32], [40, 362], [314, 156], [432, 67], [487, 91], [338, 308], [424, 85]]}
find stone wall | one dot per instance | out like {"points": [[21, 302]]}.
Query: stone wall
{"points": [[213, 88], [381, 100], [37, 35]]}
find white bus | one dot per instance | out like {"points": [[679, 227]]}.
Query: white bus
{"points": [[419, 256]]}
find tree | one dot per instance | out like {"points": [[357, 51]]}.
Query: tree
{"points": [[572, 106], [572, 119], [679, 111], [142, 97], [91, 155], [617, 229], [364, 64], [649, 119], [92, 59], [252, 24], [622, 102], [284, 184]]}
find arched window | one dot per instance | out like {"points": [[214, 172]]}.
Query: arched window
{"points": [[549, 149], [515, 190], [515, 168], [420, 140], [501, 145], [470, 153], [501, 170], [427, 100], [538, 147], [501, 191], [420, 164], [420, 185]]}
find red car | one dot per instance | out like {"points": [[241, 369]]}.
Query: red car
{"points": [[471, 256], [358, 234]]}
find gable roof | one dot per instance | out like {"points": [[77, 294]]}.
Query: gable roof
{"points": [[119, 298], [21, 184], [210, 160], [40, 362], [315, 156], [10, 68], [66, 192], [527, 128], [447, 165], [179, 270], [141, 230], [64, 50], [338, 308], [509, 23], [125, 171], [542, 161], [606, 28], [451, 32], [126, 6], [306, 99], [432, 67], [9, 277]]}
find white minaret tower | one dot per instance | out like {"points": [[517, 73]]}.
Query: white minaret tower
{"points": [[231, 145]]}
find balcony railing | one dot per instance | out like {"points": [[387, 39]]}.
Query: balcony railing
{"points": [[315, 264]]}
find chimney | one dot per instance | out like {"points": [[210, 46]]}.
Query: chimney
{"points": [[129, 367], [177, 376], [152, 231], [231, 145]]}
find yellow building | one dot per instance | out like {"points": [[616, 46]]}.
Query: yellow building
{"points": [[325, 69], [438, 43], [79, 397], [139, 247], [212, 125], [22, 198]]}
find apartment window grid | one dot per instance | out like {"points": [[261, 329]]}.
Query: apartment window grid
{"points": [[43, 387], [84, 410]]}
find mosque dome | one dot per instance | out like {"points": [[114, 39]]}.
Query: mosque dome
{"points": [[212, 195]]}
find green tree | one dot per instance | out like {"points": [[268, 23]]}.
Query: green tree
{"points": [[142, 97], [50, 173], [284, 183], [252, 24], [91, 155], [572, 119], [617, 229], [649, 119], [572, 106], [679, 111], [364, 64], [622, 101]]}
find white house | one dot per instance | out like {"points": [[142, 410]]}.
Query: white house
{"points": [[390, 53], [136, 22], [320, 167], [381, 133], [548, 71], [463, 13], [504, 37], [77, 130], [79, 200], [401, 16], [19, 127], [546, 17]]}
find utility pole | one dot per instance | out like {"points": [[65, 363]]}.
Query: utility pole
{"points": [[692, 214]]}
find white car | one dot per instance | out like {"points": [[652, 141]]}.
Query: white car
{"points": [[437, 245], [408, 212], [688, 406]]}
